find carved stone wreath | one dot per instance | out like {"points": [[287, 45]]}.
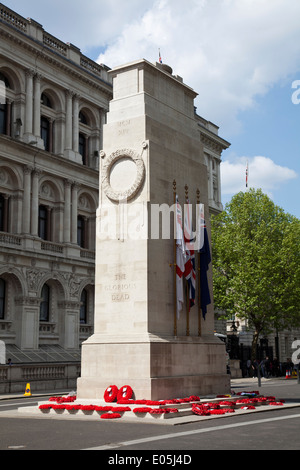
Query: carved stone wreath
{"points": [[129, 193]]}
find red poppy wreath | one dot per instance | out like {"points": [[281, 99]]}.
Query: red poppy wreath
{"points": [[125, 393], [111, 393]]}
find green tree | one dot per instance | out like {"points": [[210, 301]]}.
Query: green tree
{"points": [[256, 263]]}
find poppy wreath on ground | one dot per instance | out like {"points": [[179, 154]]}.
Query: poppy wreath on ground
{"points": [[87, 407], [120, 409], [45, 407], [200, 410], [125, 393], [110, 416], [111, 393], [73, 407], [103, 408], [142, 409]]}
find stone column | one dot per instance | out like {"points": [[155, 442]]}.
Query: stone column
{"points": [[8, 117], [67, 211], [5, 213], [35, 202], [50, 135], [68, 138], [26, 199], [74, 212], [49, 223], [29, 102], [75, 122], [37, 106]]}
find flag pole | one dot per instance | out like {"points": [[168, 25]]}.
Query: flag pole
{"points": [[187, 285], [199, 283], [174, 264]]}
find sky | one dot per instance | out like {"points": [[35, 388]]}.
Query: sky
{"points": [[242, 57]]}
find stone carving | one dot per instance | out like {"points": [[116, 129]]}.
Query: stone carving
{"points": [[115, 157]]}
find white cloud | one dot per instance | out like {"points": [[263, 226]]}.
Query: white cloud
{"points": [[229, 51], [263, 173]]}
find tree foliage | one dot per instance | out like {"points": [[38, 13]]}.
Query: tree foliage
{"points": [[256, 263]]}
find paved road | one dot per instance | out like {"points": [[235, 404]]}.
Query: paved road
{"points": [[277, 429]]}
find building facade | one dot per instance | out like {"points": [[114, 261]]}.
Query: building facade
{"points": [[53, 105]]}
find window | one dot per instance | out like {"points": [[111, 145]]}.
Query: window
{"points": [[2, 118], [4, 114], [45, 303], [45, 101], [45, 132], [43, 222], [83, 306], [2, 298], [81, 231], [82, 148], [83, 138], [82, 118]]}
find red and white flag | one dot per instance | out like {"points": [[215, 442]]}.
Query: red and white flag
{"points": [[190, 271], [159, 57], [180, 258]]}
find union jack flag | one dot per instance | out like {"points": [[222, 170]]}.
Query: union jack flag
{"points": [[190, 270]]}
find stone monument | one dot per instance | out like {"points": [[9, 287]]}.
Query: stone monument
{"points": [[151, 151]]}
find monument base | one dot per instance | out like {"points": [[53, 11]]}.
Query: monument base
{"points": [[155, 368]]}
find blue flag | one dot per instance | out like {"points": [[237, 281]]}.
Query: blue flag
{"points": [[205, 259]]}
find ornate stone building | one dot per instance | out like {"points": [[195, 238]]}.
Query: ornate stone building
{"points": [[53, 105]]}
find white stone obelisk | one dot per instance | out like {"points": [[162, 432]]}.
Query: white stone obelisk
{"points": [[151, 139]]}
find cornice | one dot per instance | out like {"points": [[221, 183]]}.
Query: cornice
{"points": [[50, 56], [213, 141]]}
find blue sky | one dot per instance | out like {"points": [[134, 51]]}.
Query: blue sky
{"points": [[241, 57]]}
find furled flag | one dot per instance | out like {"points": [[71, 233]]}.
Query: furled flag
{"points": [[200, 224], [159, 57], [205, 259], [247, 175], [189, 271], [180, 258]]}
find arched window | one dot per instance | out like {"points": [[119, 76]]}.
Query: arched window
{"points": [[82, 148], [2, 298], [83, 306], [4, 212], [45, 132], [83, 139], [45, 303], [83, 118], [46, 101], [44, 223]]}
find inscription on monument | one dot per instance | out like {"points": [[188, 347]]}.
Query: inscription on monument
{"points": [[123, 127], [120, 289]]}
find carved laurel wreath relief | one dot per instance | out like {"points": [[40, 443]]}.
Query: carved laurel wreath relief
{"points": [[118, 157]]}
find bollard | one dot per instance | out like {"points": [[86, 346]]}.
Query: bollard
{"points": [[258, 376]]}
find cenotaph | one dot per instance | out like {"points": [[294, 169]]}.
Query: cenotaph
{"points": [[151, 151]]}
